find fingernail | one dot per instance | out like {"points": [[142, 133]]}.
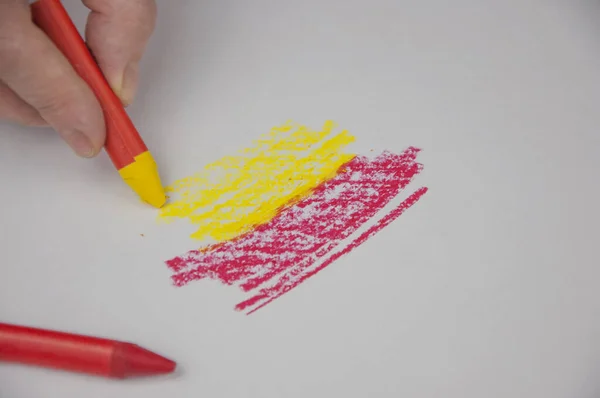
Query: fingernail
{"points": [[129, 83], [81, 144]]}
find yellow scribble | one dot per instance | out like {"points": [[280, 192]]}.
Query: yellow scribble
{"points": [[236, 193]]}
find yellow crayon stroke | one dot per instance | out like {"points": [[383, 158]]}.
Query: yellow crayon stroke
{"points": [[236, 193]]}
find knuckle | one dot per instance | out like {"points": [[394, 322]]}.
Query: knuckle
{"points": [[70, 107], [21, 114], [32, 119], [54, 102]]}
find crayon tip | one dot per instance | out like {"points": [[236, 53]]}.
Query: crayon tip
{"points": [[131, 360], [142, 176]]}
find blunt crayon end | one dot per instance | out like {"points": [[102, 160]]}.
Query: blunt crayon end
{"points": [[131, 360], [142, 176]]}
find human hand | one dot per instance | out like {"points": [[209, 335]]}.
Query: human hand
{"points": [[38, 86]]}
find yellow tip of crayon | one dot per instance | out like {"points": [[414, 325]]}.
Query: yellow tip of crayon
{"points": [[142, 176]]}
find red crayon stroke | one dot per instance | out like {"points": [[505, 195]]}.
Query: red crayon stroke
{"points": [[285, 248], [273, 293]]}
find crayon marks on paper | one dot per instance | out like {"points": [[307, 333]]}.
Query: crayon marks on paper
{"points": [[276, 243], [237, 193]]}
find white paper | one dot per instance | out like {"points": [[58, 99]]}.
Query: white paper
{"points": [[487, 287]]}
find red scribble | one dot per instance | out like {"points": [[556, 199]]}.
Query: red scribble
{"points": [[281, 254], [381, 224]]}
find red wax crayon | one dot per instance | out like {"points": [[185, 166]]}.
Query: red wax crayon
{"points": [[83, 354]]}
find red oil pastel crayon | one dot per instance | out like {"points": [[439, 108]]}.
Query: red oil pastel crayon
{"points": [[76, 353]]}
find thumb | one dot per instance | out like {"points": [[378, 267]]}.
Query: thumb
{"points": [[117, 33]]}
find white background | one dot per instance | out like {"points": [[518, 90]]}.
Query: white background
{"points": [[487, 287]]}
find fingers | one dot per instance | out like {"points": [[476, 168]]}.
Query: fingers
{"points": [[14, 109], [117, 33], [40, 76]]}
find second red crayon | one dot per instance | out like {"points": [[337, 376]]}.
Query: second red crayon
{"points": [[76, 353]]}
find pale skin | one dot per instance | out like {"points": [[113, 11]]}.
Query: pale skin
{"points": [[38, 86]]}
